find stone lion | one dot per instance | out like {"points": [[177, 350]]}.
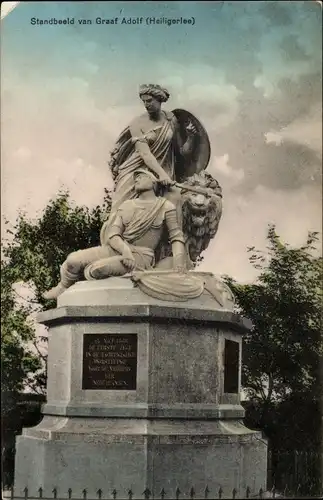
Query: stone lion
{"points": [[201, 214], [201, 217]]}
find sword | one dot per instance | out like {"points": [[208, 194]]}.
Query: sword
{"points": [[197, 190]]}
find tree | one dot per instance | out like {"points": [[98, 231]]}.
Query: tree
{"points": [[33, 256], [283, 353], [17, 359]]}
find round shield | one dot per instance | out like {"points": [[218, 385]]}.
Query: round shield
{"points": [[199, 158]]}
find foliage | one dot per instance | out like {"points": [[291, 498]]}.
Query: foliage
{"points": [[283, 353], [33, 256], [39, 247], [26, 412], [18, 361]]}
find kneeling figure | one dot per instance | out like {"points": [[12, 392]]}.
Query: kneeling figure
{"points": [[130, 243]]}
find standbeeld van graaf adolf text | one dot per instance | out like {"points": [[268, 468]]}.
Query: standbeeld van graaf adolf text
{"points": [[148, 21]]}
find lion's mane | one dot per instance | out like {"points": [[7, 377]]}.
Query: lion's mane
{"points": [[201, 215]]}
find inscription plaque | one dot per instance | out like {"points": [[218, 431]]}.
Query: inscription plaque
{"points": [[109, 362], [231, 367]]}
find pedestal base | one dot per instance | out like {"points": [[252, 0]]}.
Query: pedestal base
{"points": [[175, 422], [135, 454]]}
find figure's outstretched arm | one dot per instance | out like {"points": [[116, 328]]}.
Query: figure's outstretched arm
{"points": [[142, 148]]}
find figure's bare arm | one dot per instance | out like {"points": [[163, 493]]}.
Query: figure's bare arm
{"points": [[179, 260], [148, 158], [177, 240], [120, 245]]}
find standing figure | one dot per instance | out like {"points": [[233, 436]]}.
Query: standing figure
{"points": [[153, 141], [136, 230]]}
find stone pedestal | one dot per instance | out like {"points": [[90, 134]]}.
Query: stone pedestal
{"points": [[142, 394]]}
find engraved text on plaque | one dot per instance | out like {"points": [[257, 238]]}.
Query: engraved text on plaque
{"points": [[109, 361]]}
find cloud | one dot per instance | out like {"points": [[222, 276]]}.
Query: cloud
{"points": [[265, 84], [292, 50], [220, 168], [251, 139], [276, 14], [219, 93], [213, 96], [273, 138], [84, 181], [289, 51], [22, 154], [245, 220], [305, 131]]}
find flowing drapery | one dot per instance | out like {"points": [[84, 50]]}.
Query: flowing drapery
{"points": [[161, 145]]}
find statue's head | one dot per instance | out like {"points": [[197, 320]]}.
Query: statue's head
{"points": [[153, 96], [145, 181]]}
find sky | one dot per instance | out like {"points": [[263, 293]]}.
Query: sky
{"points": [[250, 71]]}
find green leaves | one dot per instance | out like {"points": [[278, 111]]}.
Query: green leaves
{"points": [[39, 247], [32, 254], [283, 351]]}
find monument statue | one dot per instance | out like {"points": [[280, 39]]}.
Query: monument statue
{"points": [[142, 391], [160, 221]]}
